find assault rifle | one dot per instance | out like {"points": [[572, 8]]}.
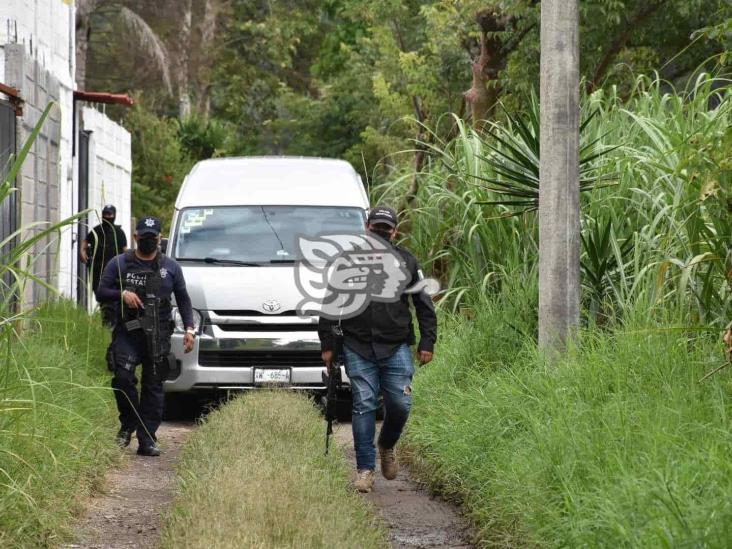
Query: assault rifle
{"points": [[333, 381], [148, 320]]}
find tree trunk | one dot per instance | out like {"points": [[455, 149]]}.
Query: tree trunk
{"points": [[559, 222], [631, 24], [208, 35], [410, 197], [481, 96], [182, 71]]}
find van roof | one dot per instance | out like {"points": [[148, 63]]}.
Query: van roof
{"points": [[272, 180]]}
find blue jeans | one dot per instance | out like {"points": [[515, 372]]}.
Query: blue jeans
{"points": [[393, 378]]}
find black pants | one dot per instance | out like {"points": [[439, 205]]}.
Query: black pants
{"points": [[107, 309], [142, 412]]}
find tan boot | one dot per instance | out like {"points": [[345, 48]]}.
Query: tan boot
{"points": [[389, 463], [364, 481]]}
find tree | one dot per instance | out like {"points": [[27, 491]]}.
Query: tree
{"points": [[559, 221], [145, 37]]}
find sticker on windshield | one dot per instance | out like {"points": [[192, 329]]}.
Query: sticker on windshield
{"points": [[194, 218]]}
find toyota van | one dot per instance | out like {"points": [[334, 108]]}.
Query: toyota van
{"points": [[234, 233]]}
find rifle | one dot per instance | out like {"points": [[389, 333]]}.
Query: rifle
{"points": [[333, 380], [148, 320]]}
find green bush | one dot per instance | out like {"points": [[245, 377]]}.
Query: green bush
{"points": [[57, 421], [160, 160]]}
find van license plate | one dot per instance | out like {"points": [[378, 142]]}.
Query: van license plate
{"points": [[268, 375]]}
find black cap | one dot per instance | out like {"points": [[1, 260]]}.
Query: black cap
{"points": [[109, 209], [383, 214], [148, 225]]}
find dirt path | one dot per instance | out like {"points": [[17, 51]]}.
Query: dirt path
{"points": [[128, 515], [416, 518]]}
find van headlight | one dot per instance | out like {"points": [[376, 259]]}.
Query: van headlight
{"points": [[179, 320]]}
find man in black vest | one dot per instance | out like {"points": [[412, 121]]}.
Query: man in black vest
{"points": [[104, 242], [139, 283]]}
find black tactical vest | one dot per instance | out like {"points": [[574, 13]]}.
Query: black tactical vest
{"points": [[145, 281]]}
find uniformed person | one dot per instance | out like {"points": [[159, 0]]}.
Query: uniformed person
{"points": [[132, 281], [104, 242]]}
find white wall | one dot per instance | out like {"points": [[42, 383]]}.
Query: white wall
{"points": [[46, 29], [110, 167]]}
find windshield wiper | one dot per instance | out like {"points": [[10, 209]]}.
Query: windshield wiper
{"points": [[216, 260], [283, 261]]}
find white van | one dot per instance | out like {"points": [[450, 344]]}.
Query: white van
{"points": [[233, 233]]}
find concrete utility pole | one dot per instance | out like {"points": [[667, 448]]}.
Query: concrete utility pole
{"points": [[559, 221]]}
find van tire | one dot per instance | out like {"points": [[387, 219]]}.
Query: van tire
{"points": [[179, 406]]}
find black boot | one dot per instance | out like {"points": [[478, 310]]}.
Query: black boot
{"points": [[148, 450], [124, 437]]}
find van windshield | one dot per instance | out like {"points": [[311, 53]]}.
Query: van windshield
{"points": [[257, 234]]}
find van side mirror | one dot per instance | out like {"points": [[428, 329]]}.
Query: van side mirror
{"points": [[164, 245]]}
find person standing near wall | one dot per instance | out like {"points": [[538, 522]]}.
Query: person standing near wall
{"points": [[104, 242]]}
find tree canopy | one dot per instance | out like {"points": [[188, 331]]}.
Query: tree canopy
{"points": [[363, 79]]}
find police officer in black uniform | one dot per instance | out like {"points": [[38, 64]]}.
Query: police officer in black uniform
{"points": [[139, 283], [104, 242]]}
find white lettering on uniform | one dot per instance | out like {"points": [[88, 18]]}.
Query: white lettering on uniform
{"points": [[135, 279]]}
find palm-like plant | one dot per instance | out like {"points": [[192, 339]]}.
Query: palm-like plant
{"points": [[510, 160], [603, 255]]}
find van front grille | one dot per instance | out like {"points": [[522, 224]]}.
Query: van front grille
{"points": [[290, 327], [252, 312], [260, 358]]}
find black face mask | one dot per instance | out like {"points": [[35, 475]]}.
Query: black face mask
{"points": [[109, 220], [147, 245], [383, 233]]}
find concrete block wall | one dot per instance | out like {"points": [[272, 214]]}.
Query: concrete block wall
{"points": [[44, 29], [110, 167], [37, 56], [40, 176]]}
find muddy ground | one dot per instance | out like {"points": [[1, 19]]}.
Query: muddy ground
{"points": [[416, 518], [128, 513]]}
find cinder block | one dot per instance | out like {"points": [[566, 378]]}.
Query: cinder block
{"points": [[28, 188], [27, 213], [15, 68]]}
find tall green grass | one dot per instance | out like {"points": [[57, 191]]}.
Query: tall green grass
{"points": [[57, 422], [656, 229], [56, 412], [617, 446]]}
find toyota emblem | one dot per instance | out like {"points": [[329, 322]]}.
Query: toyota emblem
{"points": [[271, 305]]}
